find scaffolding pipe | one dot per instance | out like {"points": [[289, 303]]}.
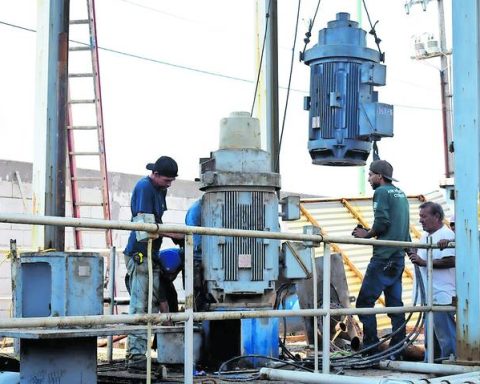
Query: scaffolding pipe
{"points": [[429, 336], [188, 331], [111, 304], [438, 369], [470, 378], [326, 307], [322, 378], [66, 322], [315, 306], [16, 218], [149, 310]]}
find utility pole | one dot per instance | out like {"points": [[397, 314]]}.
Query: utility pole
{"points": [[271, 64], [267, 92], [429, 49], [50, 120], [445, 94]]}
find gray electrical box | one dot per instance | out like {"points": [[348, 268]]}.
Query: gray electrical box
{"points": [[297, 263], [290, 208]]}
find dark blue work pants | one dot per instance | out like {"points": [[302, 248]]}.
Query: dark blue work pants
{"points": [[382, 276]]}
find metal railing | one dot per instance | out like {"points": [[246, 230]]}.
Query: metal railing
{"points": [[189, 316]]}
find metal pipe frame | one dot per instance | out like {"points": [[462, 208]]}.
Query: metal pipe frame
{"points": [[315, 306], [430, 347], [189, 316], [469, 377], [111, 304], [322, 378], [188, 348], [149, 310], [439, 369], [308, 377], [353, 198], [326, 307], [17, 218], [157, 319]]}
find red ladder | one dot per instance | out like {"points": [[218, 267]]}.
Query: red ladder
{"points": [[85, 119]]}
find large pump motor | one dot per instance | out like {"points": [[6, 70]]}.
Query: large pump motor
{"points": [[240, 193], [344, 113]]}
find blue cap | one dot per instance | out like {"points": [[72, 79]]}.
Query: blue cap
{"points": [[170, 260]]}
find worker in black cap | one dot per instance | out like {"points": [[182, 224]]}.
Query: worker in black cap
{"points": [[148, 197], [384, 272]]}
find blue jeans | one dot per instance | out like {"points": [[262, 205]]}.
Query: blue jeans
{"points": [[137, 345], [382, 276], [444, 335]]}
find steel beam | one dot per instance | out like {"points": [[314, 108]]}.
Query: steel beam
{"points": [[271, 64]]}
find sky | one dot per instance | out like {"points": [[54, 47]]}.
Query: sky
{"points": [[171, 70]]}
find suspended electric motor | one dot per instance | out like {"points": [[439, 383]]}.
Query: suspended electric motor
{"points": [[344, 113]]}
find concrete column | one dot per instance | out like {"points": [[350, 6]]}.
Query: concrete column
{"points": [[50, 123]]}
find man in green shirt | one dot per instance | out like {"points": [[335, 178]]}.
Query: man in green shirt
{"points": [[384, 272]]}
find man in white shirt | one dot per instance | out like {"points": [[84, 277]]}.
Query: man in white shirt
{"points": [[443, 279]]}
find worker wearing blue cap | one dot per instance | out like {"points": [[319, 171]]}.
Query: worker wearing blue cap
{"points": [[171, 262]]}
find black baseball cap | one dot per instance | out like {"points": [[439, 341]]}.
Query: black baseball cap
{"points": [[164, 166], [382, 167]]}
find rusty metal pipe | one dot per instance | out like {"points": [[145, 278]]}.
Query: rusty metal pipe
{"points": [[156, 319], [439, 369], [308, 377], [17, 218]]}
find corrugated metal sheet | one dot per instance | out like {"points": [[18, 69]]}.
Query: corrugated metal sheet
{"points": [[335, 218]]}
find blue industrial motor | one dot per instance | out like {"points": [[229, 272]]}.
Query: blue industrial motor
{"points": [[240, 193], [345, 115], [240, 272]]}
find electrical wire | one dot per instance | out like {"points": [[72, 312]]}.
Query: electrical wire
{"points": [[255, 376], [156, 10], [192, 69], [359, 360], [267, 21], [308, 34], [356, 360], [144, 58], [280, 299], [288, 86], [364, 362], [373, 32], [18, 26]]}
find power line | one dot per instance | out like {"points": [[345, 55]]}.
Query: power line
{"points": [[156, 10], [18, 26], [217, 74], [289, 83], [187, 68], [144, 58]]}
